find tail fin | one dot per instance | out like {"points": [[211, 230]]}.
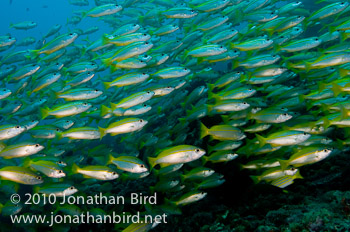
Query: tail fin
{"points": [[262, 140], [44, 112], [102, 132], [75, 168], [204, 131], [152, 162]]}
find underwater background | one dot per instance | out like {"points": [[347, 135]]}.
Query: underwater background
{"points": [[165, 115]]}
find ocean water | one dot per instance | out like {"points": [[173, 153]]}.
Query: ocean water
{"points": [[230, 118]]}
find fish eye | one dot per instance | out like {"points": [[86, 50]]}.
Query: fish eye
{"points": [[85, 104], [148, 92], [17, 127], [4, 89], [71, 187], [37, 145], [114, 173], [185, 69], [285, 114], [60, 171], [244, 103], [60, 162], [140, 120], [238, 72], [145, 34], [38, 177], [292, 169], [342, 3], [197, 150], [143, 73], [135, 25], [142, 166], [141, 61], [33, 120], [146, 43], [144, 105], [272, 13], [34, 65], [163, 54], [220, 46], [57, 129], [325, 150], [70, 33], [297, 29], [192, 11], [304, 133], [267, 39], [274, 56], [316, 39], [299, 17]]}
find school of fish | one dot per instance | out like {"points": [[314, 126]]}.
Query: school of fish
{"points": [[174, 91]]}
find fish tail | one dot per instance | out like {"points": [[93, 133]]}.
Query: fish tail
{"points": [[256, 179], [75, 168], [204, 131], [343, 72], [284, 164], [110, 159], [205, 159], [114, 106], [106, 85], [102, 132], [336, 89], [105, 110], [26, 162], [59, 135], [262, 140], [298, 175], [152, 162], [105, 40], [33, 54], [211, 87], [107, 62], [114, 68], [44, 112]]}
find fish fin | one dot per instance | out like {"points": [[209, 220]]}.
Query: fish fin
{"points": [[204, 131], [336, 89], [107, 62], [343, 72], [256, 179], [235, 64], [262, 140], [59, 135], [114, 68], [113, 106], [102, 132], [106, 85], [326, 123], [105, 110], [298, 175], [44, 112], [33, 54], [75, 168], [105, 40], [204, 159], [152, 162], [284, 164], [211, 87]]}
